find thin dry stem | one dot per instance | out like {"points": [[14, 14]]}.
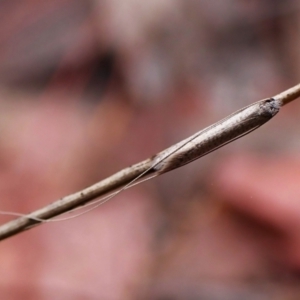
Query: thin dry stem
{"points": [[288, 95], [122, 179]]}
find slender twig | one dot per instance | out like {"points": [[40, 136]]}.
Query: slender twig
{"points": [[288, 95], [203, 142]]}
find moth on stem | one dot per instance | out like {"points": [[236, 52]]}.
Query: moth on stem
{"points": [[201, 143]]}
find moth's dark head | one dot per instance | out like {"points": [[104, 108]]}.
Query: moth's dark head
{"points": [[270, 107]]}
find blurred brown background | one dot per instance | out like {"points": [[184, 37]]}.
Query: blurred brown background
{"points": [[90, 87]]}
